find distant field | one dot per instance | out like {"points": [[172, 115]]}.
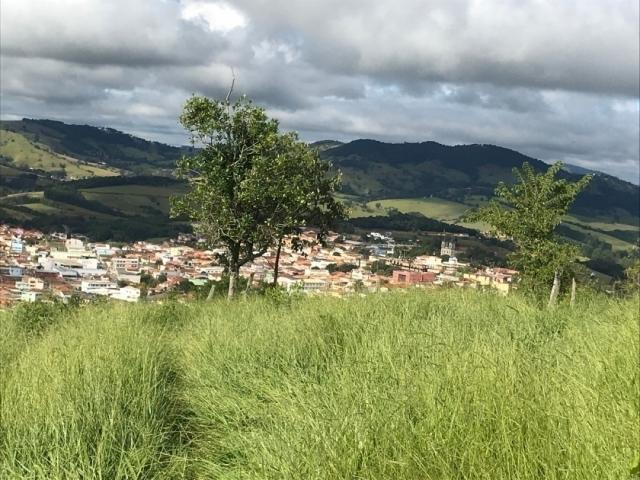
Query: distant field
{"points": [[452, 212], [45, 209], [437, 208], [445, 384], [601, 224], [616, 243], [135, 199], [6, 171], [26, 154]]}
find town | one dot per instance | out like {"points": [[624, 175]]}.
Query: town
{"points": [[37, 266]]}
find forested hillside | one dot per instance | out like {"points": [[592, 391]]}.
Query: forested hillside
{"points": [[377, 170]]}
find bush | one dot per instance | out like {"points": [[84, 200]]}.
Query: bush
{"points": [[34, 318]]}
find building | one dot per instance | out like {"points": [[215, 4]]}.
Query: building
{"points": [[408, 277], [98, 287], [448, 247], [131, 264], [127, 294], [30, 283], [16, 246]]}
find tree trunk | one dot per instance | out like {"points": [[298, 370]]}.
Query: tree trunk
{"points": [[212, 290], [234, 269], [573, 291], [555, 290], [233, 277], [277, 265], [249, 283]]}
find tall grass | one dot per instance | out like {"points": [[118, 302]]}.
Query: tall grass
{"points": [[443, 385]]}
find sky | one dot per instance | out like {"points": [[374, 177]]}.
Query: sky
{"points": [[553, 79]]}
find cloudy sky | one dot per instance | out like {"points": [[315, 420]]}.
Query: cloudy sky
{"points": [[555, 79]]}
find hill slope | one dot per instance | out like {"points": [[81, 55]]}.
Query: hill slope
{"points": [[18, 151], [377, 170], [99, 145]]}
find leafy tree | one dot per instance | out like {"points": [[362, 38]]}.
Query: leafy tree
{"points": [[528, 212], [359, 286], [632, 274], [302, 189], [343, 267], [249, 184], [380, 267]]}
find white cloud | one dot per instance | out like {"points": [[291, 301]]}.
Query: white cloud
{"points": [[557, 79], [217, 17]]}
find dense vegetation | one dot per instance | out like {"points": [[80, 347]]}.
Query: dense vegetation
{"points": [[446, 384], [405, 222]]}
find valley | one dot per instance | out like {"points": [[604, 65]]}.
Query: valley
{"points": [[117, 187]]}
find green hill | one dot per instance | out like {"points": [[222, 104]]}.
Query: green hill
{"points": [[444, 384], [24, 154], [104, 208], [104, 146], [376, 170], [437, 181]]}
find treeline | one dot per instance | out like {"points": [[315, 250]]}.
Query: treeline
{"points": [[407, 222], [602, 257], [143, 180], [125, 229]]}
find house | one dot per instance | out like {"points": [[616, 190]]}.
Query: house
{"points": [[97, 286], [127, 294], [126, 263], [30, 296], [408, 277], [30, 283], [310, 285], [17, 246]]}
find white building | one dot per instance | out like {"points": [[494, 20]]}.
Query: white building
{"points": [[98, 286], [127, 294]]}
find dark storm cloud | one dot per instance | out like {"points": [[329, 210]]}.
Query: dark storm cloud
{"points": [[554, 79]]}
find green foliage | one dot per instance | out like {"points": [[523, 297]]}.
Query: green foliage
{"points": [[249, 184], [413, 221], [632, 274], [529, 212], [380, 267], [33, 318], [343, 267], [445, 385]]}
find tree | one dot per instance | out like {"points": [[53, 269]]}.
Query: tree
{"points": [[528, 212], [632, 274], [247, 183], [303, 189]]}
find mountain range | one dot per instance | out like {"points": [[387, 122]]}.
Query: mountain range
{"points": [[111, 184]]}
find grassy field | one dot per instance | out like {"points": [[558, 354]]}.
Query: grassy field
{"points": [[616, 243], [452, 212], [134, 199], [437, 208], [440, 385], [26, 154]]}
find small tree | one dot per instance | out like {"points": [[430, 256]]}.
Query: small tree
{"points": [[246, 179], [528, 212], [632, 274], [302, 189]]}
